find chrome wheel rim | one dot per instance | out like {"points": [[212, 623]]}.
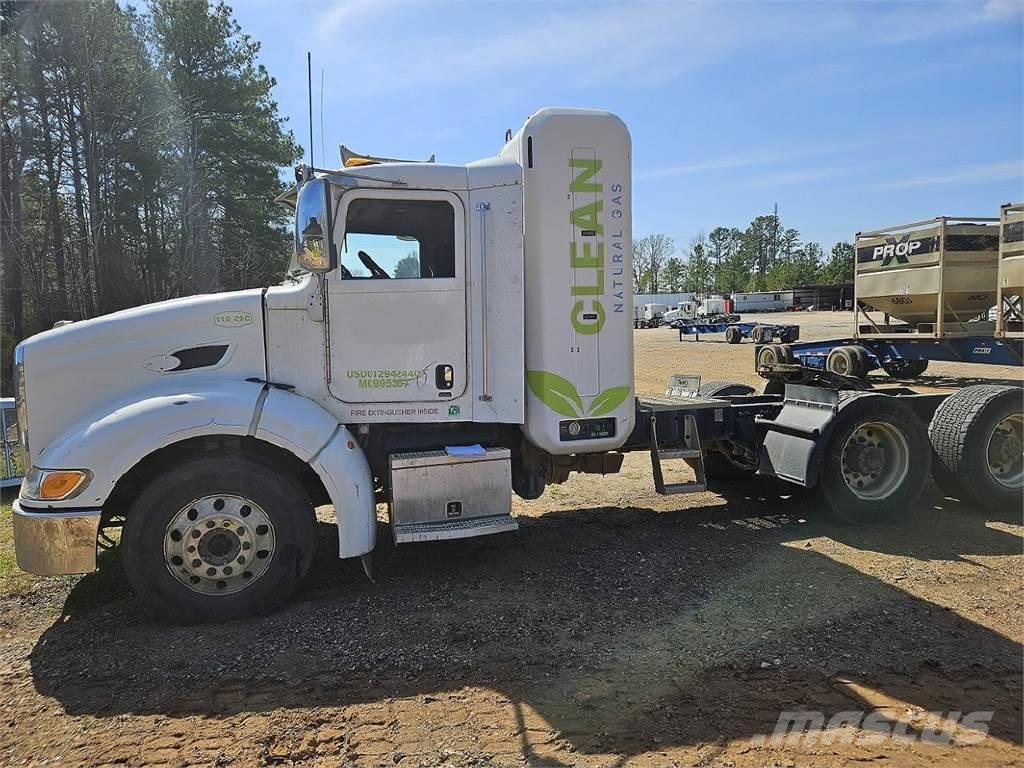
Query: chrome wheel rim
{"points": [[875, 461], [1005, 452], [219, 544]]}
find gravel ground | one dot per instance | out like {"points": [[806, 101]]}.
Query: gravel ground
{"points": [[617, 627]]}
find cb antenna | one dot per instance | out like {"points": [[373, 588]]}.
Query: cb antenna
{"points": [[309, 90]]}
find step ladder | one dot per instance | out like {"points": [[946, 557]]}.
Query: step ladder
{"points": [[690, 451]]}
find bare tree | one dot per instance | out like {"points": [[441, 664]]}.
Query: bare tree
{"points": [[641, 265], [650, 253]]}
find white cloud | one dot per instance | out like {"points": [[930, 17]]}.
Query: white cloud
{"points": [[345, 14], [715, 164], [795, 178], [403, 45], [400, 45], [972, 174], [1000, 9]]}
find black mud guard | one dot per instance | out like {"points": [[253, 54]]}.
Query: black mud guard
{"points": [[795, 439]]}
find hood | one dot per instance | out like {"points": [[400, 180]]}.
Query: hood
{"points": [[71, 372]]}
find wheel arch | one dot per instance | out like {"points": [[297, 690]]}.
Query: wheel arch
{"points": [[140, 437], [161, 459]]}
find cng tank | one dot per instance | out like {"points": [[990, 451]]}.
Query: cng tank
{"points": [[929, 272], [578, 277]]}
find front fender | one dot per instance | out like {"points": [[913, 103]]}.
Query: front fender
{"points": [[301, 426], [110, 444]]}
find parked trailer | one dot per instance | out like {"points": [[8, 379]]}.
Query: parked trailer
{"points": [[900, 358], [762, 301], [761, 333], [209, 428]]}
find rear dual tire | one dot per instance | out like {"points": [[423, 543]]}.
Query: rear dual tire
{"points": [[774, 354], [850, 361], [978, 438], [877, 460]]}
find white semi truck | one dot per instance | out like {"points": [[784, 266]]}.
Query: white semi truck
{"points": [[650, 315], [499, 360]]}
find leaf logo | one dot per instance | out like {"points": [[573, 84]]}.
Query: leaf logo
{"points": [[608, 400], [559, 394]]}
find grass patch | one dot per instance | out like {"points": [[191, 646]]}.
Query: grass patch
{"points": [[12, 580]]}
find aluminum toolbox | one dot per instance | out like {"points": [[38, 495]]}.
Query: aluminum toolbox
{"points": [[437, 496]]}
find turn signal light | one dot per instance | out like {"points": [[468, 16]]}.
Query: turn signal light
{"points": [[60, 483]]}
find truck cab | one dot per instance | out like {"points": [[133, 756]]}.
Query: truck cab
{"points": [[446, 334]]}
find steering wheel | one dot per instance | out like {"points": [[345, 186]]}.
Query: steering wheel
{"points": [[373, 266]]}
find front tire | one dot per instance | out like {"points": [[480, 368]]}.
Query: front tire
{"points": [[218, 538], [876, 462]]}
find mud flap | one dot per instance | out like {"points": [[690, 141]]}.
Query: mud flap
{"points": [[795, 438]]}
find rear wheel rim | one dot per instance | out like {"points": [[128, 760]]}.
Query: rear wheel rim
{"points": [[841, 365], [1004, 452], [219, 544], [875, 461]]}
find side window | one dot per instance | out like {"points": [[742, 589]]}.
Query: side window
{"points": [[398, 239]]}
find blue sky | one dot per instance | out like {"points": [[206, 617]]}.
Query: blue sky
{"points": [[848, 115]]}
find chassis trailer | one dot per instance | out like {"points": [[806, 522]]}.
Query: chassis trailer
{"points": [[761, 333], [209, 428], [898, 357]]}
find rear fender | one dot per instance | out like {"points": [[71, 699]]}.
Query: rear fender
{"points": [[796, 439]]}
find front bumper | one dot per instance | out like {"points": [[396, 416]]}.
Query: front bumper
{"points": [[55, 543]]}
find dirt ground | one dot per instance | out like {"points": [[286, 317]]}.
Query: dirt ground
{"points": [[616, 627]]}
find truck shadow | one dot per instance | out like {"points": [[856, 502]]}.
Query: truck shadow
{"points": [[621, 630]]}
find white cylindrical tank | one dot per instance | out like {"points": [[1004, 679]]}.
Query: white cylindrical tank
{"points": [[578, 279], [1010, 302]]}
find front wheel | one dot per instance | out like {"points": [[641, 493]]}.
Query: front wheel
{"points": [[218, 538], [876, 462]]}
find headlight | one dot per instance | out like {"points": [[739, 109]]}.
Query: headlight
{"points": [[21, 404], [54, 484]]}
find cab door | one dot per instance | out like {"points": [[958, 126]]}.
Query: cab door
{"points": [[396, 304]]}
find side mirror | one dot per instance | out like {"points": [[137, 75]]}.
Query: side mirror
{"points": [[314, 249]]}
